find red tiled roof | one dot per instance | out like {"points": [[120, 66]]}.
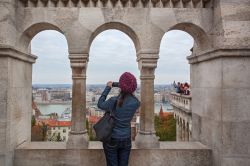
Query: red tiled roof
{"points": [[55, 123]]}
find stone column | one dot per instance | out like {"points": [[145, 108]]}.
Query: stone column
{"points": [[180, 130], [78, 136], [15, 101], [177, 128], [183, 131], [178, 135], [187, 133], [146, 137]]}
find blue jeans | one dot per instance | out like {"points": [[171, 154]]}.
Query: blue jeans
{"points": [[117, 151]]}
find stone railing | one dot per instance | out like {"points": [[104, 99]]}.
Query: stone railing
{"points": [[120, 3], [183, 116], [181, 101]]}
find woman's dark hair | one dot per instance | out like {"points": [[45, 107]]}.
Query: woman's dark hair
{"points": [[121, 98]]}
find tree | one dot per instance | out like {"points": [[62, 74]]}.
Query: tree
{"points": [[33, 121], [44, 131], [166, 128]]}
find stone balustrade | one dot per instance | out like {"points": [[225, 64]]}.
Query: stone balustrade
{"points": [[119, 3], [181, 101], [183, 115]]}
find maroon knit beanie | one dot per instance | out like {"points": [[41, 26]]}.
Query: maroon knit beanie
{"points": [[127, 82]]}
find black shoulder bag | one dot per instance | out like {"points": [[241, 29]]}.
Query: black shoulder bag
{"points": [[103, 128]]}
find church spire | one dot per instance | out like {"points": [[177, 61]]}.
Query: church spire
{"points": [[161, 112]]}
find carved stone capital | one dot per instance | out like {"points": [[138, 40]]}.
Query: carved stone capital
{"points": [[78, 60], [78, 63], [147, 59]]}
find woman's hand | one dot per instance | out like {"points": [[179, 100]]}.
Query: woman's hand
{"points": [[109, 84]]}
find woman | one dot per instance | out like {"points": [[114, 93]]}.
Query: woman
{"points": [[117, 150]]}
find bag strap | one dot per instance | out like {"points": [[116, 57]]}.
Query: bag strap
{"points": [[112, 112]]}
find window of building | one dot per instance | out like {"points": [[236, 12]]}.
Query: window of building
{"points": [[64, 130]]}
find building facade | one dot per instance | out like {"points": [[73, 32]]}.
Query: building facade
{"points": [[58, 130]]}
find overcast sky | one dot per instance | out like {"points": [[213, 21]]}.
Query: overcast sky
{"points": [[112, 53]]}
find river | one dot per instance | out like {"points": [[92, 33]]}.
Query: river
{"points": [[59, 108]]}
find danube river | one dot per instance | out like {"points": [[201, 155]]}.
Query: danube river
{"points": [[59, 108]]}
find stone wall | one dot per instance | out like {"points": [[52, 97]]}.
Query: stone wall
{"points": [[220, 83], [15, 102], [221, 119], [8, 22], [231, 24]]}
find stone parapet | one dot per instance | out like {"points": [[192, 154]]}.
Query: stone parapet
{"points": [[182, 102], [169, 153], [183, 115]]}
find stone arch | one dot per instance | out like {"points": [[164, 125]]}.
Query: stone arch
{"points": [[200, 36], [117, 26], [32, 30]]}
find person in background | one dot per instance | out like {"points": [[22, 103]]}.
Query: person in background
{"points": [[182, 88], [186, 89], [177, 87], [117, 150]]}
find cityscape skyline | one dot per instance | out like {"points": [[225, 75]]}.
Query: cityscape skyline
{"points": [[53, 66]]}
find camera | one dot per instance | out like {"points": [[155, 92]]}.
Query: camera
{"points": [[115, 84]]}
